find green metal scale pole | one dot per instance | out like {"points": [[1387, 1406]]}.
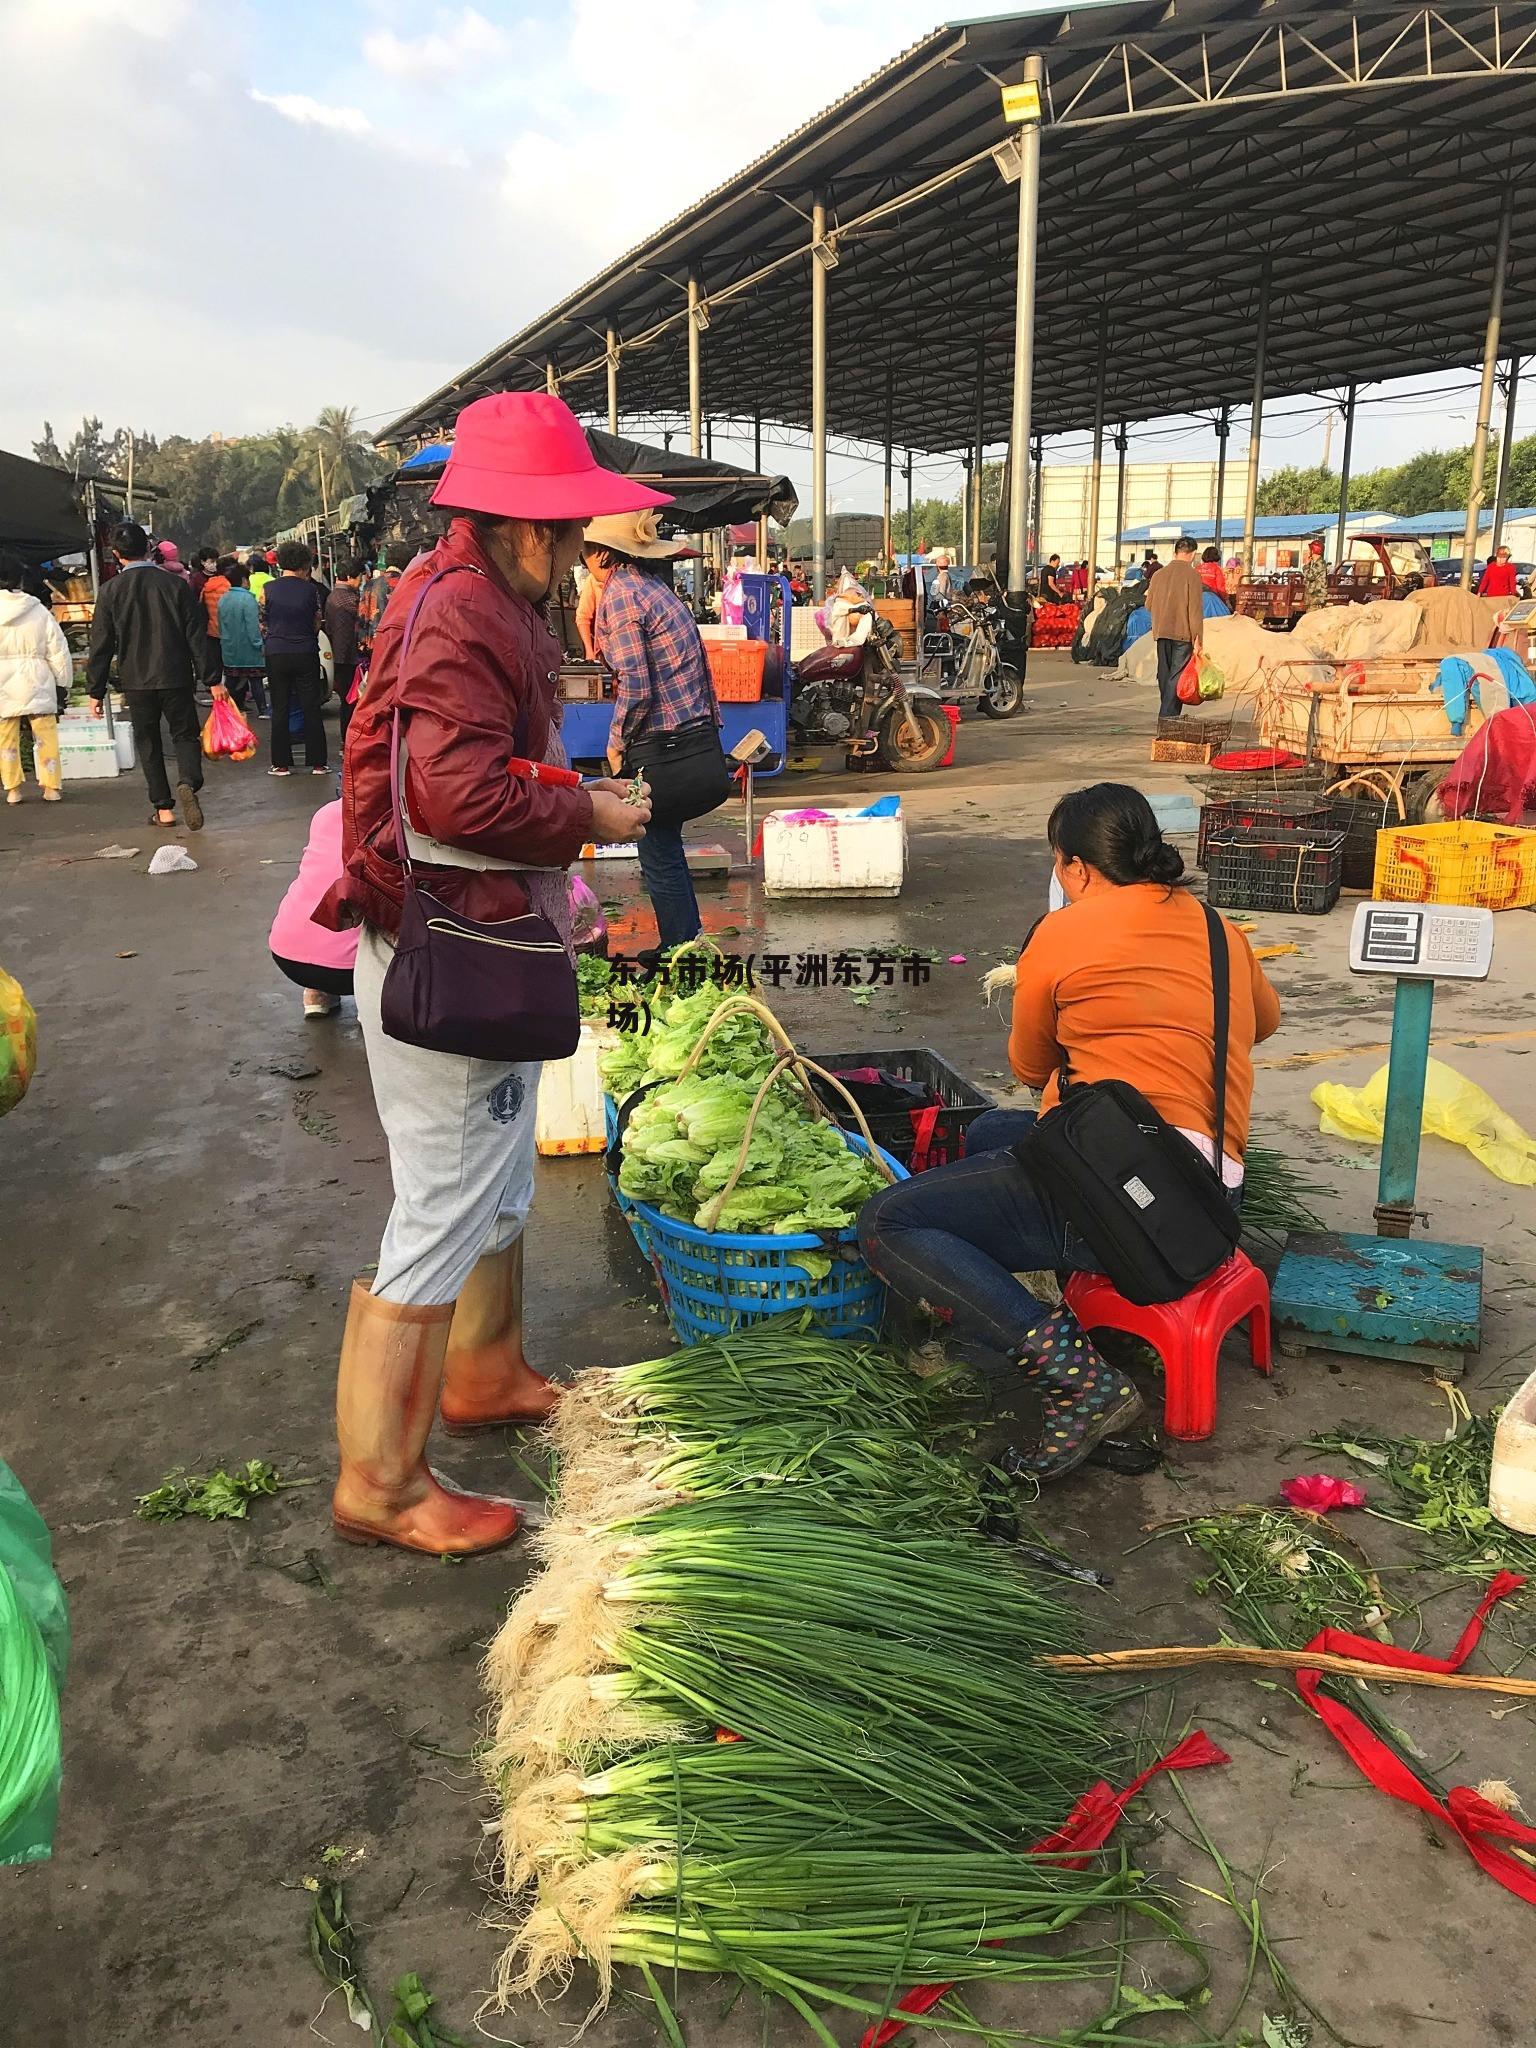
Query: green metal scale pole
{"points": [[1396, 1188]]}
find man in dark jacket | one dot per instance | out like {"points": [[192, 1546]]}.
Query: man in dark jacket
{"points": [[153, 627], [341, 630]]}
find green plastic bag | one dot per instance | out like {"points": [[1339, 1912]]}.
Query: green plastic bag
{"points": [[34, 1656], [1213, 681]]}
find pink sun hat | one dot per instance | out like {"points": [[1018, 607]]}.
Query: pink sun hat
{"points": [[523, 455]]}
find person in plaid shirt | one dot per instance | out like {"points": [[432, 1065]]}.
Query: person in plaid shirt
{"points": [[665, 721]]}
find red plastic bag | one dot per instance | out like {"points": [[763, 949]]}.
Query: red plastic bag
{"points": [[1187, 689], [226, 732]]}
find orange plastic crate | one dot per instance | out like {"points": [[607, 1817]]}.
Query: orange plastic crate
{"points": [[736, 669], [1492, 867]]}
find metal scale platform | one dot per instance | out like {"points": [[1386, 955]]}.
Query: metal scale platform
{"points": [[1389, 1296]]}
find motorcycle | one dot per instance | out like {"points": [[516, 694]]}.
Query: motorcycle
{"points": [[857, 696], [972, 670]]}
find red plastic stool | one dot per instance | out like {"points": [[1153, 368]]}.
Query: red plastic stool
{"points": [[1187, 1334]]}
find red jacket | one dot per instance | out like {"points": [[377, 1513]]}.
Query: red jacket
{"points": [[1499, 580], [479, 654]]}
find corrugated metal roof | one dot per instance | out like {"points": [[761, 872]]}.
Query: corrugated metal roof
{"points": [[1186, 144], [1269, 526], [1452, 520]]}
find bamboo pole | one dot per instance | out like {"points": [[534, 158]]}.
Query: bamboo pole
{"points": [[1244, 1656]]}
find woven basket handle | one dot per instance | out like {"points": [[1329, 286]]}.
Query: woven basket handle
{"points": [[736, 1006], [803, 1067]]}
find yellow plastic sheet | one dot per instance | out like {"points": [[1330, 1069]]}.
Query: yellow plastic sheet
{"points": [[1454, 1108], [18, 1042]]}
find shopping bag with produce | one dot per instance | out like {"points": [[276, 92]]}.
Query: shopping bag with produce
{"points": [[1212, 681], [18, 1042], [227, 733], [1187, 688]]}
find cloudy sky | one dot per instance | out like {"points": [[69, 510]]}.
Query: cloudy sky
{"points": [[224, 217]]}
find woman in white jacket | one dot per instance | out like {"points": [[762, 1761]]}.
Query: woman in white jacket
{"points": [[35, 666]]}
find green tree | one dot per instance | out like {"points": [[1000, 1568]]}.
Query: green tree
{"points": [[1299, 491], [348, 462], [48, 450]]}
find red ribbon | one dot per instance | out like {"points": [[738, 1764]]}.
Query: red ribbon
{"points": [[1087, 1827], [1465, 1812]]}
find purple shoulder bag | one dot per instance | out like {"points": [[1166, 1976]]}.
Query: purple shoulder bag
{"points": [[503, 991]]}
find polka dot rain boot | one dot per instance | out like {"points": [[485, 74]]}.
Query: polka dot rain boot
{"points": [[1084, 1400]]}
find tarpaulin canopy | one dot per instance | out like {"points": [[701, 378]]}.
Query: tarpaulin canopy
{"points": [[40, 511], [707, 493]]}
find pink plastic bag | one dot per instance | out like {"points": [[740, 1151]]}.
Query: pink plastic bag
{"points": [[227, 733]]}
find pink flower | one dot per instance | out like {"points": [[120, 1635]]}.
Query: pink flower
{"points": [[1314, 1493]]}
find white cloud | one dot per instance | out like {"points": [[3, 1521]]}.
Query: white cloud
{"points": [[297, 106], [458, 42]]}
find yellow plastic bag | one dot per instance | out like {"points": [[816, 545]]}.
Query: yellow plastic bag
{"points": [[1454, 1108], [18, 1042]]}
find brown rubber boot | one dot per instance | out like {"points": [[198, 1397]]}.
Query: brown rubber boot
{"points": [[487, 1382], [386, 1397]]}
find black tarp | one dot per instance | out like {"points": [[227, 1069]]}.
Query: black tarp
{"points": [[40, 513], [706, 493]]}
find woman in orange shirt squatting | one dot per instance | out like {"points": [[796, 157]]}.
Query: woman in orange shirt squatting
{"points": [[1115, 986]]}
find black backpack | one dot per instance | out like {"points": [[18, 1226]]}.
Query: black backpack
{"points": [[1150, 1208]]}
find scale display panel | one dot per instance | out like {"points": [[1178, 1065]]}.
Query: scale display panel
{"points": [[1427, 941]]}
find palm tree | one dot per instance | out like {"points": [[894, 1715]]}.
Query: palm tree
{"points": [[348, 460]]}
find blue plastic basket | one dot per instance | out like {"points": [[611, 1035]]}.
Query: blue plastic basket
{"points": [[713, 1281]]}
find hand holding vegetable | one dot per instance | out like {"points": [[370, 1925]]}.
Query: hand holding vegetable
{"points": [[616, 816]]}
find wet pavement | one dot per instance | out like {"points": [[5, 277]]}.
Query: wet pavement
{"points": [[190, 1187]]}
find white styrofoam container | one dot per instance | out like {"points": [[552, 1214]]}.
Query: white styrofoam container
{"points": [[844, 855], [568, 1115], [87, 749]]}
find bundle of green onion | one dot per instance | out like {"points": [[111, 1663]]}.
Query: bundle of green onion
{"points": [[782, 1714]]}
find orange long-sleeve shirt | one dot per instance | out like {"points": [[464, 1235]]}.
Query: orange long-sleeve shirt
{"points": [[1120, 983]]}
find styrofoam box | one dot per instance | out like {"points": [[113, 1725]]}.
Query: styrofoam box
{"points": [[568, 1116], [87, 749], [844, 855]]}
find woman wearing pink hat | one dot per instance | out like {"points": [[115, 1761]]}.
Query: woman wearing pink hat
{"points": [[466, 658]]}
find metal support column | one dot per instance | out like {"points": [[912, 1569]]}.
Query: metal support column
{"points": [[1096, 474], [822, 259], [757, 443], [1349, 449], [910, 543], [1037, 517], [886, 537], [613, 382], [981, 436], [967, 498], [1485, 394], [698, 320], [1024, 349], [1256, 417], [551, 380], [1122, 442], [1223, 435], [1506, 443], [1397, 1182]]}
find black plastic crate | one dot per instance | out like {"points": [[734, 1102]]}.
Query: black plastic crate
{"points": [[1294, 871], [960, 1103], [1360, 818], [1304, 780], [1260, 817]]}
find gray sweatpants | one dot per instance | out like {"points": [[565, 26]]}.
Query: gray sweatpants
{"points": [[461, 1150]]}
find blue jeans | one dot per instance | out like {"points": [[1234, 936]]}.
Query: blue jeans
{"points": [[953, 1237], [664, 868]]}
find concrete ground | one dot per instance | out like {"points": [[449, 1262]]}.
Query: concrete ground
{"points": [[192, 1183]]}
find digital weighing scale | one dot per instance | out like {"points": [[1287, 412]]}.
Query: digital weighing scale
{"points": [[1385, 1296]]}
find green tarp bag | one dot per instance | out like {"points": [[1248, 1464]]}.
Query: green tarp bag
{"points": [[34, 1655]]}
